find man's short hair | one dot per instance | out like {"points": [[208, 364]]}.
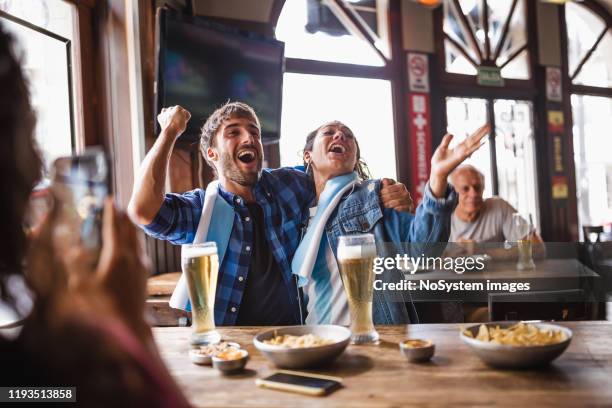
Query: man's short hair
{"points": [[214, 122], [469, 169]]}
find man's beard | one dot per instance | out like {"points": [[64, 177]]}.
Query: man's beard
{"points": [[232, 172]]}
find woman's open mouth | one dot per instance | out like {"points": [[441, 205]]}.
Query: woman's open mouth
{"points": [[337, 148]]}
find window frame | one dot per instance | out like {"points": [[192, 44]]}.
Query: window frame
{"points": [[69, 72], [453, 79], [601, 12], [569, 89], [393, 71], [448, 84]]}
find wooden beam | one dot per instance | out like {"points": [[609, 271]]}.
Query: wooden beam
{"points": [[355, 25], [275, 11], [514, 55], [468, 30], [591, 90], [460, 49], [383, 25], [485, 26], [504, 32], [588, 54], [87, 3], [304, 66]]}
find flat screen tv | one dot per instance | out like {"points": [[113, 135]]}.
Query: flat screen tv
{"points": [[202, 64]]}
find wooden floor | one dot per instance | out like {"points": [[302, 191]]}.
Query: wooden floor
{"points": [[378, 376]]}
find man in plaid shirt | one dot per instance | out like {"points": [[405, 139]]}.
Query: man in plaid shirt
{"points": [[255, 284]]}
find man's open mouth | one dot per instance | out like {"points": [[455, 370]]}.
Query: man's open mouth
{"points": [[337, 148], [247, 156]]}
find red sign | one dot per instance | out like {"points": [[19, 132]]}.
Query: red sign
{"points": [[420, 142]]}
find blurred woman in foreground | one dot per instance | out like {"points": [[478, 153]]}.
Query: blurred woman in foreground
{"points": [[87, 327], [347, 203]]}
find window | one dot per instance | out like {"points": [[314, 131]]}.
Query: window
{"points": [[589, 47], [312, 97], [515, 155], [44, 31], [306, 41], [589, 55], [464, 115], [509, 168], [487, 79], [311, 100], [487, 33], [592, 158]]}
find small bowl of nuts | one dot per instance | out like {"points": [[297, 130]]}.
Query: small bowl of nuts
{"points": [[230, 361], [417, 350], [202, 355]]}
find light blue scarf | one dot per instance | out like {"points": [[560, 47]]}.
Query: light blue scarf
{"points": [[308, 250], [215, 225]]}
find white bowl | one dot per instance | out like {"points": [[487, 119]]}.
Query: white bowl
{"points": [[506, 356], [308, 356]]}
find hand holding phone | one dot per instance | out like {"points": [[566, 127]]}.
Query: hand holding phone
{"points": [[79, 188]]}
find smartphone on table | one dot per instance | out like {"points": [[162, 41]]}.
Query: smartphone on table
{"points": [[302, 383]]}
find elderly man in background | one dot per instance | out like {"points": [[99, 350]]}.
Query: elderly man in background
{"points": [[477, 220]]}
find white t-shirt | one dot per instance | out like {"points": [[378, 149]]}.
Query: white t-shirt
{"points": [[494, 224], [327, 301]]}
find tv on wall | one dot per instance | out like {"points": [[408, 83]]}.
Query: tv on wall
{"points": [[202, 64]]}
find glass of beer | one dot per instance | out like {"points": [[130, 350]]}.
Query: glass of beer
{"points": [[356, 255], [200, 264], [524, 228]]}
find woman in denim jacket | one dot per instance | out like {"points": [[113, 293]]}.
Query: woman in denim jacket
{"points": [[347, 202]]}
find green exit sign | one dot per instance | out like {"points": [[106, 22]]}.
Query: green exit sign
{"points": [[490, 76]]}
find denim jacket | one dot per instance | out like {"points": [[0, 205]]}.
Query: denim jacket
{"points": [[361, 212]]}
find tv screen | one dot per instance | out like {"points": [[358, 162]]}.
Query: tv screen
{"points": [[202, 65]]}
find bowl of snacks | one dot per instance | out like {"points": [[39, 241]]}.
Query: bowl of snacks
{"points": [[231, 360], [517, 344], [303, 346], [417, 350], [202, 355]]}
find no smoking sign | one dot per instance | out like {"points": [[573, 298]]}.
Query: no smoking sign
{"points": [[418, 72]]}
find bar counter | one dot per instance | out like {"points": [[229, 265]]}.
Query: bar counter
{"points": [[379, 376]]}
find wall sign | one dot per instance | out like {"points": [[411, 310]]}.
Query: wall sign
{"points": [[553, 84], [560, 189], [420, 142], [418, 72], [490, 76]]}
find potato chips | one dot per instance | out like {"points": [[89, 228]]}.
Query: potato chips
{"points": [[289, 341], [520, 334]]}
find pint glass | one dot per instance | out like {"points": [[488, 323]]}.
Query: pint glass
{"points": [[200, 264], [524, 228], [356, 255]]}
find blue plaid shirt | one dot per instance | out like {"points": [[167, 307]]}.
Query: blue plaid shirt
{"points": [[283, 194]]}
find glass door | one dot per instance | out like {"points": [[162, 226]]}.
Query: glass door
{"points": [[507, 159]]}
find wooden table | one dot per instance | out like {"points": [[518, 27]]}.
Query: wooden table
{"points": [[378, 376]]}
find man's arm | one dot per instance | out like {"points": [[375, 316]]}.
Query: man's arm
{"points": [[148, 194]]}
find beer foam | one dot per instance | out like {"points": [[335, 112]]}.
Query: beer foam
{"points": [[195, 252], [356, 252]]}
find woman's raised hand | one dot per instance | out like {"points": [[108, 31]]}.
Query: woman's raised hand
{"points": [[445, 159]]}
